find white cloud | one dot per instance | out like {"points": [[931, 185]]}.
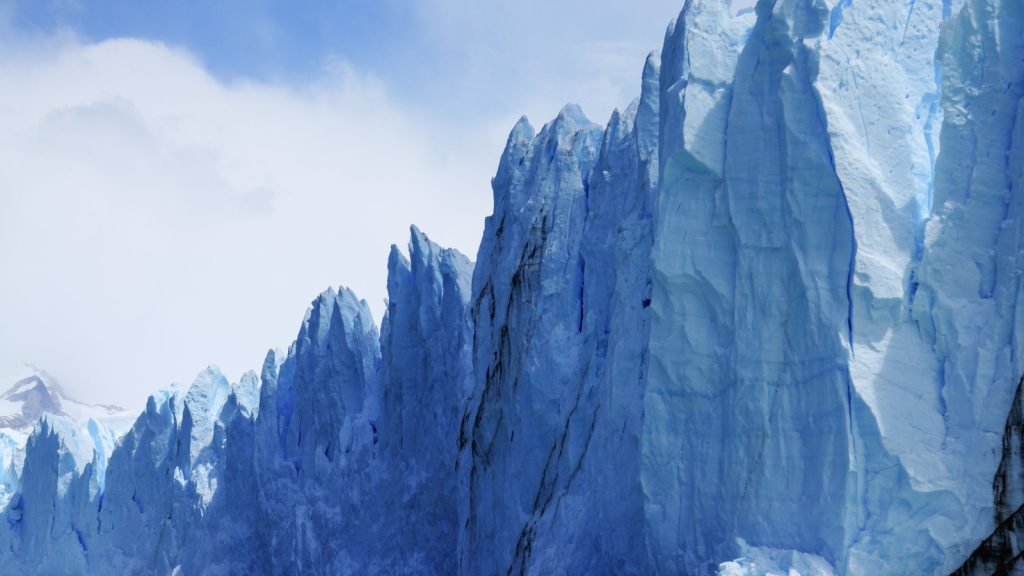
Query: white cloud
{"points": [[154, 220], [533, 56]]}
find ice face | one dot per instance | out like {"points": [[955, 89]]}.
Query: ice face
{"points": [[807, 404], [426, 346], [798, 395], [550, 436], [527, 427], [375, 415]]}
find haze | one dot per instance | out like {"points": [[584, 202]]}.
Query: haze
{"points": [[177, 185]]}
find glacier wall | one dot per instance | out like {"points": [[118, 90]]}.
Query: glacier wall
{"points": [[764, 320], [853, 368], [551, 433], [747, 411], [314, 466], [790, 391]]}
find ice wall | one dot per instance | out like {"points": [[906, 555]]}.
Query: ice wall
{"points": [[765, 320]]}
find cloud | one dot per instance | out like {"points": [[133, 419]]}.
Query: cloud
{"points": [[154, 219], [533, 56], [457, 60]]}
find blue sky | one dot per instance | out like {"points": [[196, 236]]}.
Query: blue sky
{"points": [[267, 40], [458, 57], [178, 180]]}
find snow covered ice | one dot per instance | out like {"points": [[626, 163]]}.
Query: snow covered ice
{"points": [[87, 431], [764, 321]]}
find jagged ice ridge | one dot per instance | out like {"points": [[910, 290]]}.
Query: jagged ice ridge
{"points": [[766, 320]]}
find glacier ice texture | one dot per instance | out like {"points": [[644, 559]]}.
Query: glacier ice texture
{"points": [[88, 432], [763, 321]]}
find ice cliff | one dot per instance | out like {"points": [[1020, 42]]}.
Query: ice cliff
{"points": [[88, 432], [763, 321]]}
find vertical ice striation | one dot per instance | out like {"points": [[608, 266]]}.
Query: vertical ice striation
{"points": [[747, 413], [353, 449], [525, 431], [606, 497], [144, 479], [803, 300], [426, 343], [550, 437], [43, 537], [971, 300], [178, 495], [9, 448], [165, 479], [322, 433]]}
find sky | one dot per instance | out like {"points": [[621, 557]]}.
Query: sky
{"points": [[179, 179]]}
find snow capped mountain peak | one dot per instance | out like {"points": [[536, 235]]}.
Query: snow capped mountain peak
{"points": [[38, 393], [26, 384], [35, 395], [37, 403]]}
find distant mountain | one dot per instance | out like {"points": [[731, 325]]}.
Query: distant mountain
{"points": [[39, 393], [87, 431]]}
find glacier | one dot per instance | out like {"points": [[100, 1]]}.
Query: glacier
{"points": [[763, 321], [88, 432]]}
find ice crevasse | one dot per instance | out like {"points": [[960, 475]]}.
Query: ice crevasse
{"points": [[763, 321]]}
